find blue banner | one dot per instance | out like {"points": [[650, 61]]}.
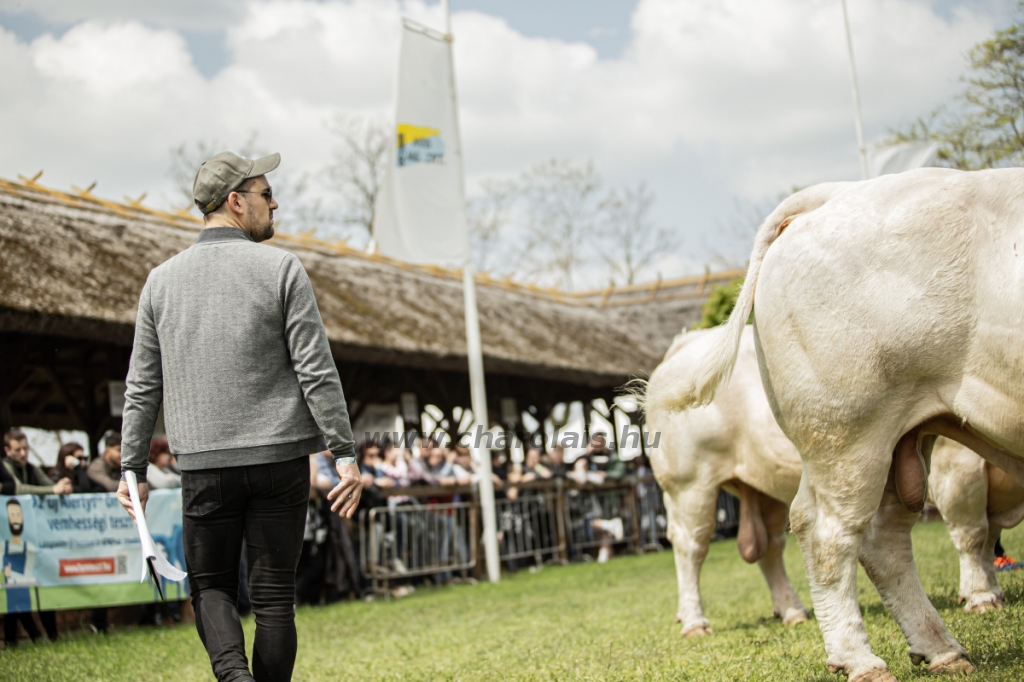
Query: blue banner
{"points": [[78, 551]]}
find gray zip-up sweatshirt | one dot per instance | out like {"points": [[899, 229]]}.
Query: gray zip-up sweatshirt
{"points": [[229, 337]]}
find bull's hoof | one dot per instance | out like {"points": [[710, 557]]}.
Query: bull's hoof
{"points": [[698, 631], [952, 664], [983, 603], [795, 617], [870, 675]]}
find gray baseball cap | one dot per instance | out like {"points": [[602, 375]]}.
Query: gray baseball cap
{"points": [[223, 173]]}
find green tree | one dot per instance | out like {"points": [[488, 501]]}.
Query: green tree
{"points": [[719, 305], [983, 127]]}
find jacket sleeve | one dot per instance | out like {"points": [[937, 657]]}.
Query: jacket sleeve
{"points": [[145, 385], [311, 357]]}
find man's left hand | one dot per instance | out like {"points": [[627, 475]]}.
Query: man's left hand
{"points": [[347, 493]]}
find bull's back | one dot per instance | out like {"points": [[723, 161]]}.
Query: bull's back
{"points": [[877, 293]]}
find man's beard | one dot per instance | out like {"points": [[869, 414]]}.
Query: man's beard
{"points": [[261, 231], [16, 528]]}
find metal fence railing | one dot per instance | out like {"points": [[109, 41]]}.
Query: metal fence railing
{"points": [[604, 514], [653, 517], [409, 540], [552, 521], [531, 525]]}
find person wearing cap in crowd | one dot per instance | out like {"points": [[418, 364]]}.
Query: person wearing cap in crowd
{"points": [[228, 336]]}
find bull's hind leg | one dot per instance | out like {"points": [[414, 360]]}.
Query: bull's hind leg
{"points": [[959, 488], [888, 559], [829, 514], [788, 606], [691, 523]]}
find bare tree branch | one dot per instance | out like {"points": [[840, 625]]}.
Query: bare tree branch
{"points": [[490, 214], [561, 206], [629, 239], [358, 168]]}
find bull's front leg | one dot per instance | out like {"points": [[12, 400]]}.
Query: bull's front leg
{"points": [[691, 523], [829, 514]]}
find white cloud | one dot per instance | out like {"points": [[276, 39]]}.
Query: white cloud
{"points": [[712, 98]]}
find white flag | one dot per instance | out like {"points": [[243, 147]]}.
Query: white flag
{"points": [[420, 215], [902, 157]]}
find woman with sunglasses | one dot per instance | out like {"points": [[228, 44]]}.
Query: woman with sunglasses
{"points": [[72, 463]]}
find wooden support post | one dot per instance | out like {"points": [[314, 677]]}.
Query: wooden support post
{"points": [[474, 534], [5, 410], [633, 502], [563, 545]]}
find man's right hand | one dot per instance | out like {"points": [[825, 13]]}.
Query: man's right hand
{"points": [[126, 499], [346, 494], [63, 487]]}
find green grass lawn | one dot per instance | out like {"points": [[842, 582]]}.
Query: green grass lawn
{"points": [[589, 622]]}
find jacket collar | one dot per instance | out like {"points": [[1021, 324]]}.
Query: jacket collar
{"points": [[222, 234]]}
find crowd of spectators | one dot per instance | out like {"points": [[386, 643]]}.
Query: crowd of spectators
{"points": [[329, 566]]}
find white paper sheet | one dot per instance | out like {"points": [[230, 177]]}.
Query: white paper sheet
{"points": [[150, 556]]}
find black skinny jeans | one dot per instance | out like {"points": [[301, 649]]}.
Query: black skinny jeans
{"points": [[267, 504]]}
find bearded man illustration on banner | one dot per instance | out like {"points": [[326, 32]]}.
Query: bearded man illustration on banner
{"points": [[19, 560]]}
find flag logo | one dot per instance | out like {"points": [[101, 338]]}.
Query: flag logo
{"points": [[417, 144]]}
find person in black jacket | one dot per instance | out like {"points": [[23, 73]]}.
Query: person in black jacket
{"points": [[7, 482]]}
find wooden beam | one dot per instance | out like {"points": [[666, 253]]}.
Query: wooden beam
{"points": [[74, 409]]}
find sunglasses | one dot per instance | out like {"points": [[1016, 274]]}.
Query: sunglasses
{"points": [[267, 194]]}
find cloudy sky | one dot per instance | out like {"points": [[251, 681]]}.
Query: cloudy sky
{"points": [[708, 101]]}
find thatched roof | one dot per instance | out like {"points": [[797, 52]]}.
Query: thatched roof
{"points": [[74, 265]]}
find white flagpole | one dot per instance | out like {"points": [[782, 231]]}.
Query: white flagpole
{"points": [[477, 389], [856, 97]]}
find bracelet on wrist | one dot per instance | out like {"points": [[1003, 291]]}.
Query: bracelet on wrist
{"points": [[345, 460]]}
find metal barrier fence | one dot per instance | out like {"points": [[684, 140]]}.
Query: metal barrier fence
{"points": [[653, 517], [599, 515], [538, 522], [414, 540], [531, 525]]}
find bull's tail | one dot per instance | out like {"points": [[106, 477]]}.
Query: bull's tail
{"points": [[699, 385]]}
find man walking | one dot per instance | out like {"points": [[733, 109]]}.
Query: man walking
{"points": [[229, 337]]}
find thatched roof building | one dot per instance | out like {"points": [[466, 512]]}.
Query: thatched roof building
{"points": [[72, 267]]}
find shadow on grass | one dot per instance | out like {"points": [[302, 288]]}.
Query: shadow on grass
{"points": [[946, 601]]}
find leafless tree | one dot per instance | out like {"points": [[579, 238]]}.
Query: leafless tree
{"points": [[490, 214], [302, 209], [561, 207], [358, 168], [629, 240]]}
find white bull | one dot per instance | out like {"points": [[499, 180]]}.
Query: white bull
{"points": [[734, 443], [977, 502], [887, 311]]}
